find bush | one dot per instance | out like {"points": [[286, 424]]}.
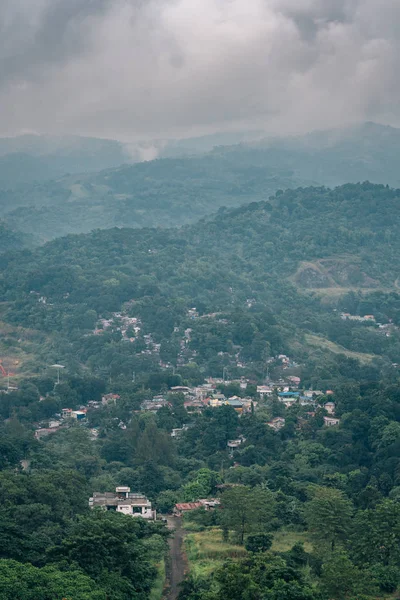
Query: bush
{"points": [[205, 518], [388, 578], [260, 542]]}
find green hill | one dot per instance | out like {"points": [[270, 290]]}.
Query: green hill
{"points": [[11, 239], [247, 265], [176, 191], [162, 193], [367, 152], [29, 159]]}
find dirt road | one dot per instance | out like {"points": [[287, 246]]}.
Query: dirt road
{"points": [[177, 562]]}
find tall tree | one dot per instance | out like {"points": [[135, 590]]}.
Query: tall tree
{"points": [[246, 510], [328, 515], [376, 535]]}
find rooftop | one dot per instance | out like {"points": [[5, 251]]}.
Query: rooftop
{"points": [[113, 499]]}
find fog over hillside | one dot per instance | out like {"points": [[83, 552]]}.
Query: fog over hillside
{"points": [[35, 198]]}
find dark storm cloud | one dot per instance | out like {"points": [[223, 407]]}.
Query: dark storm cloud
{"points": [[129, 68], [35, 34]]}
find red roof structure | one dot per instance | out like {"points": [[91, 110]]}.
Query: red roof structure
{"points": [[188, 506]]}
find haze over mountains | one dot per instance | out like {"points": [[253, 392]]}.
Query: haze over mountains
{"points": [[102, 191], [28, 159]]}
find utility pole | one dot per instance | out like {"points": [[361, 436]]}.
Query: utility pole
{"points": [[58, 367]]}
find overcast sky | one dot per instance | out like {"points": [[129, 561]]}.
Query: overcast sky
{"points": [[130, 69]]}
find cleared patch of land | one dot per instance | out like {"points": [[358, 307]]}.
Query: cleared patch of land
{"points": [[285, 540], [206, 550], [19, 350], [324, 344], [331, 278]]}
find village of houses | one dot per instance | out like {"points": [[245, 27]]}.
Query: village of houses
{"points": [[197, 399], [207, 395], [287, 391]]}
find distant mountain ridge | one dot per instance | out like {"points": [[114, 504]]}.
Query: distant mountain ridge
{"points": [[366, 152], [161, 193], [30, 159], [176, 191]]}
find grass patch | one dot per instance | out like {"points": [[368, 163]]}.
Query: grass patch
{"points": [[206, 550], [194, 527], [324, 344], [158, 588], [285, 540]]}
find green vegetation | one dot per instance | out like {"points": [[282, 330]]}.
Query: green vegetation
{"points": [[179, 189], [284, 540], [237, 270], [161, 193], [50, 541], [307, 511], [206, 551], [324, 344], [28, 159], [11, 239], [158, 587]]}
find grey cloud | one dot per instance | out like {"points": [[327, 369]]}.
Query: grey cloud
{"points": [[133, 68], [36, 34]]}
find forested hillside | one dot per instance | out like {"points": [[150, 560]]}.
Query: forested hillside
{"points": [[12, 240], [302, 257], [174, 191], [365, 152], [28, 159], [166, 193]]}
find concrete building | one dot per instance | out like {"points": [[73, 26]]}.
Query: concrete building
{"points": [[109, 399], [277, 423], [265, 390], [331, 422], [44, 432], [330, 408], [236, 403], [79, 415], [124, 501], [233, 444], [176, 433]]}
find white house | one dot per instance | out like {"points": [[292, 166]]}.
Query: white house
{"points": [[124, 501], [331, 422], [265, 390], [330, 408], [277, 423]]}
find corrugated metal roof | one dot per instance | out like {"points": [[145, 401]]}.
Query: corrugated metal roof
{"points": [[188, 505]]}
